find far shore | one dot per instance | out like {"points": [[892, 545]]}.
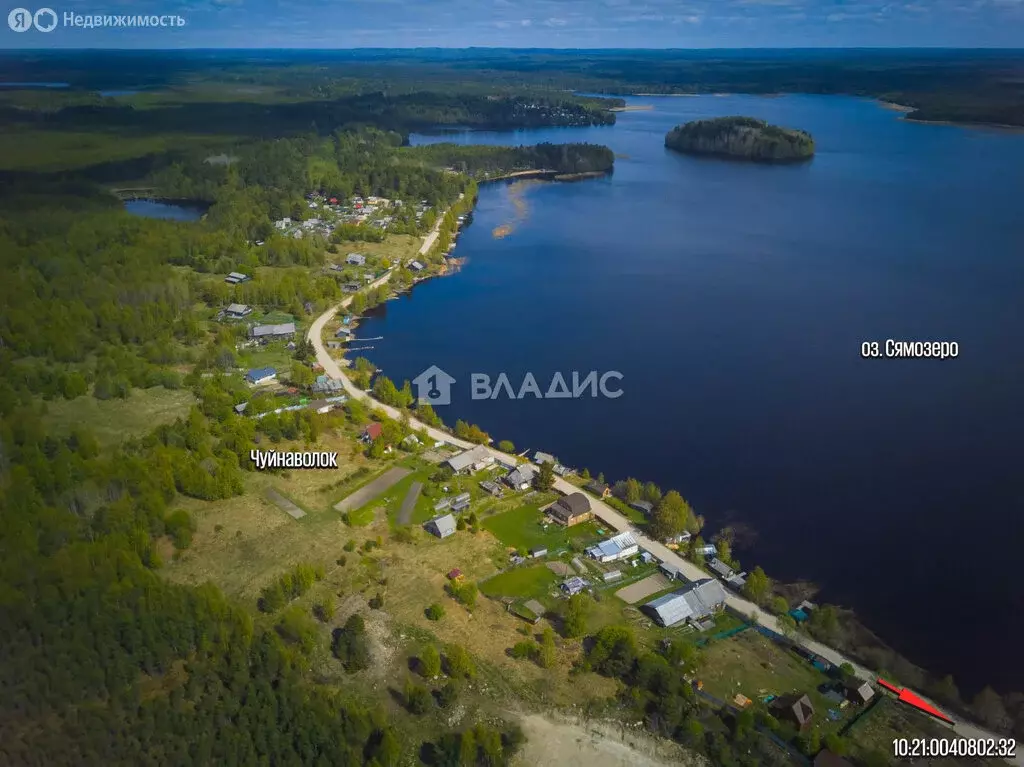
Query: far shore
{"points": [[894, 106], [548, 175]]}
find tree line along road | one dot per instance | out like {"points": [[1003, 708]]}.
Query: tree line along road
{"points": [[605, 512]]}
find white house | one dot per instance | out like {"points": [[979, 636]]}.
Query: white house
{"points": [[471, 460], [621, 546]]}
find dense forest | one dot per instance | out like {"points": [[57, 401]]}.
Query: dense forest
{"points": [[980, 86], [744, 138], [402, 113], [103, 661]]}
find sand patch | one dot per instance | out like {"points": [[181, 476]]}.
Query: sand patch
{"points": [[597, 744]]}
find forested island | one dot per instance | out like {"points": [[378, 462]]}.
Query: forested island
{"points": [[742, 138]]}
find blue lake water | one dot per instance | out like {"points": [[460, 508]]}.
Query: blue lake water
{"points": [[169, 210], [734, 299]]}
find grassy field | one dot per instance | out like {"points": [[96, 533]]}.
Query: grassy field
{"points": [[751, 664], [526, 582], [39, 150], [521, 529], [114, 420], [396, 247]]}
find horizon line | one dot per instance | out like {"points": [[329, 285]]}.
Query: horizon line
{"points": [[177, 49]]}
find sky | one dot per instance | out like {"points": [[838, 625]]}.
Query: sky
{"points": [[537, 23]]}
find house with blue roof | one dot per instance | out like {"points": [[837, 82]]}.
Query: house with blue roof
{"points": [[258, 376]]}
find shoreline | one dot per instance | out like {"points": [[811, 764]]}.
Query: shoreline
{"points": [[544, 175], [736, 603], [890, 105]]}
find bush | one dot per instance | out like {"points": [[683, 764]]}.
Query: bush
{"points": [[417, 698], [180, 526], [435, 612], [525, 650], [458, 662], [351, 646], [463, 592], [448, 694], [324, 610]]}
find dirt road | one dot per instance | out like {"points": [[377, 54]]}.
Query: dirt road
{"points": [[367, 493]]}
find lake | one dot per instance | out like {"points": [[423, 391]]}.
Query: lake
{"points": [[734, 299], [175, 211]]}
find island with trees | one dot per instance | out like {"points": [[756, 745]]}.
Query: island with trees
{"points": [[742, 138]]}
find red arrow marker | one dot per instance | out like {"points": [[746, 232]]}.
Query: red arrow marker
{"points": [[906, 696]]}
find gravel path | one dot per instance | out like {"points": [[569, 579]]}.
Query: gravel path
{"points": [[284, 504], [367, 493], [409, 503]]}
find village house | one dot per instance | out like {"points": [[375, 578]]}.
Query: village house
{"points": [[521, 478], [442, 527], [324, 384], [273, 332], [234, 278], [670, 570], [707, 550], [673, 541], [858, 691], [795, 708], [720, 567], [237, 311], [573, 585], [696, 602], [571, 510], [600, 489], [621, 546], [491, 487], [258, 376], [644, 507], [471, 460]]}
